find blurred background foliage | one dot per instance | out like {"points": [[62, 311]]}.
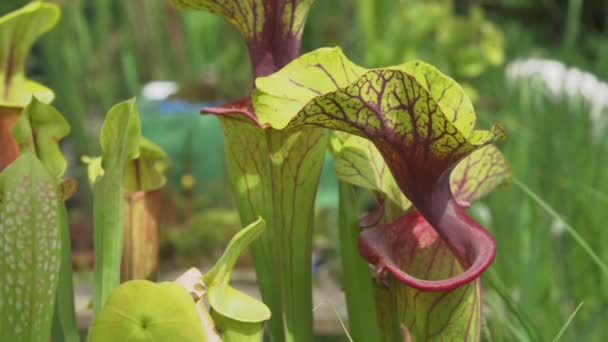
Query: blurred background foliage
{"points": [[104, 51]]}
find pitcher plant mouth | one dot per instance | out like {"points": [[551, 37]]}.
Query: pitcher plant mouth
{"points": [[473, 248]]}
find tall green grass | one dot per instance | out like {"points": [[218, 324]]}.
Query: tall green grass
{"points": [[562, 174]]}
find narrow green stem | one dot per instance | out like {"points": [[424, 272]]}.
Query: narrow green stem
{"points": [[362, 316], [65, 314], [573, 19]]}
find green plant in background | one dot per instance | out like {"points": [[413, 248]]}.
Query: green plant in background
{"points": [[463, 46], [143, 177], [194, 309], [18, 32]]}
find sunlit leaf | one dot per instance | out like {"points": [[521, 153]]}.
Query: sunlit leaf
{"points": [[140, 310], [18, 32], [30, 247], [280, 96]]}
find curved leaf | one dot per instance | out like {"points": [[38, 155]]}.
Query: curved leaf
{"points": [[120, 139], [18, 32], [30, 246], [141, 310], [450, 96], [478, 174], [39, 130], [224, 299], [405, 123], [358, 162], [280, 96]]}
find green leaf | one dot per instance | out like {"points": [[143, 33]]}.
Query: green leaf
{"points": [[120, 138], [449, 95], [18, 32], [358, 162], [357, 280], [478, 174], [30, 245], [280, 96], [39, 130], [144, 173], [140, 310], [224, 299]]}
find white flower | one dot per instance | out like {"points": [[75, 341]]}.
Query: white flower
{"points": [[557, 80]]}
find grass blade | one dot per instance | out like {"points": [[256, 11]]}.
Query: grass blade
{"points": [[524, 320], [579, 239], [565, 326]]}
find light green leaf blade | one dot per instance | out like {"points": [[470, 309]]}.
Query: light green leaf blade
{"points": [[280, 96], [403, 121], [18, 32], [236, 305], [39, 130], [140, 310], [120, 138], [30, 245], [478, 174], [224, 299], [358, 162], [450, 96]]}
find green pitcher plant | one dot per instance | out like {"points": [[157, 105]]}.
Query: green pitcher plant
{"points": [[36, 274], [274, 172], [422, 124], [143, 177], [18, 32], [409, 244]]}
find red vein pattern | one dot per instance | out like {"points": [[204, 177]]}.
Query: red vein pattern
{"points": [[421, 146]]}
